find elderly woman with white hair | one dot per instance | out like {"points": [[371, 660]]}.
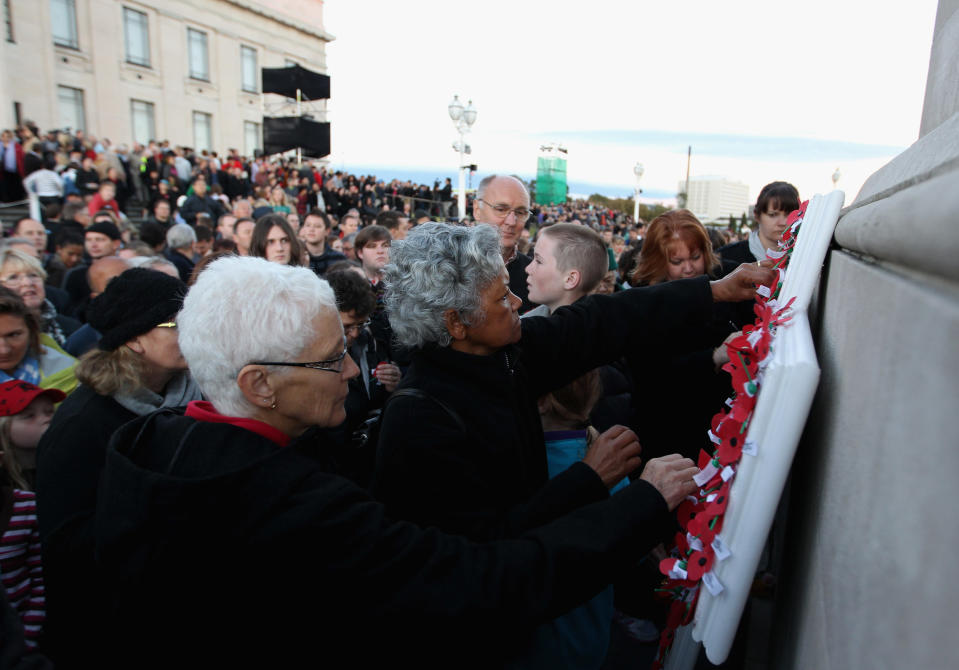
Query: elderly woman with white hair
{"points": [[226, 539]]}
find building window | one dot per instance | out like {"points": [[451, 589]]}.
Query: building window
{"points": [[63, 21], [251, 138], [249, 70], [199, 54], [72, 116], [144, 125], [202, 131], [8, 19], [137, 36]]}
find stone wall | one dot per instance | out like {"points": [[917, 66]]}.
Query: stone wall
{"points": [[867, 579], [32, 67]]}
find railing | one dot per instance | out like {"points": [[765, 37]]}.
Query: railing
{"points": [[442, 209]]}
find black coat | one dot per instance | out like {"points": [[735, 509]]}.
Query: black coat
{"points": [[737, 252], [224, 550], [492, 481], [320, 263], [517, 280], [70, 457], [183, 264], [677, 393], [206, 205]]}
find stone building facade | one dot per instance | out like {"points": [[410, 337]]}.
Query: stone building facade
{"points": [[183, 70]]}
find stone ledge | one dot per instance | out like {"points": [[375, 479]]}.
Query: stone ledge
{"points": [[915, 227]]}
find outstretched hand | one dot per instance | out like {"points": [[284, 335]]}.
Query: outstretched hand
{"points": [[740, 284], [614, 454]]}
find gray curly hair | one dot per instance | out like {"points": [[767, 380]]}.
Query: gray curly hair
{"points": [[436, 268]]}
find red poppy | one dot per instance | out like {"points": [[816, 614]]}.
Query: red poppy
{"points": [[672, 568], [686, 512], [699, 563], [718, 504], [742, 408], [743, 379]]}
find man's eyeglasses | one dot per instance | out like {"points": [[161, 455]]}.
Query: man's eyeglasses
{"points": [[356, 327], [167, 324], [331, 365], [502, 211]]}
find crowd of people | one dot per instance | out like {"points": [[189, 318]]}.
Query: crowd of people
{"points": [[252, 411]]}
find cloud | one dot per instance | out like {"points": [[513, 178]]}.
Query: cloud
{"points": [[797, 149]]}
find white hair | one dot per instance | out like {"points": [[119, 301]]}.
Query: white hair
{"points": [[180, 236], [245, 309]]}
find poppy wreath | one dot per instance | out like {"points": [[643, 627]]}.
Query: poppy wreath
{"points": [[698, 547]]}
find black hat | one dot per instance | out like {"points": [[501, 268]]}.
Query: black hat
{"points": [[104, 228], [134, 303]]}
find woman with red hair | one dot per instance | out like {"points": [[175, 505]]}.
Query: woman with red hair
{"points": [[676, 247]]}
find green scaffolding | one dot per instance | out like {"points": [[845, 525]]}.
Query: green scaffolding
{"points": [[550, 180]]}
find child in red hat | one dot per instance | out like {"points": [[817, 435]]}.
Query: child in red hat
{"points": [[25, 413]]}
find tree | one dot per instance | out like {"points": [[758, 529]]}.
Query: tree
{"points": [[681, 199]]}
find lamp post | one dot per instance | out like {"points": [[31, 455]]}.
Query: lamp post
{"points": [[463, 118], [638, 170], [835, 178]]}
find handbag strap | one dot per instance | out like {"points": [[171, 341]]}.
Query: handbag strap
{"points": [[423, 395]]}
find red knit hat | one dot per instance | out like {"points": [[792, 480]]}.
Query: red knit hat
{"points": [[16, 394]]}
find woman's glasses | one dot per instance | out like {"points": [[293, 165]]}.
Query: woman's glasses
{"points": [[331, 365]]}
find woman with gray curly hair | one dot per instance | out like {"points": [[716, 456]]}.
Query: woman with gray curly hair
{"points": [[438, 272], [463, 448]]}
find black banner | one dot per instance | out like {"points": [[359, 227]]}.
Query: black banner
{"points": [[291, 132], [285, 81]]}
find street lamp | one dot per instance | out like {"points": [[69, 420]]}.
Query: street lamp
{"points": [[638, 170], [463, 118], [835, 178]]}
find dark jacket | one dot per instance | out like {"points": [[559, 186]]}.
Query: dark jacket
{"points": [[206, 205], [77, 286], [225, 550], [492, 481], [737, 252], [70, 457], [677, 393], [517, 280], [320, 263], [352, 443], [183, 264]]}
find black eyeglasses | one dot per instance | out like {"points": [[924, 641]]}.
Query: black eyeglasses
{"points": [[332, 365], [502, 211]]}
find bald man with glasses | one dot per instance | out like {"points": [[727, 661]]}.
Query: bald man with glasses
{"points": [[503, 201]]}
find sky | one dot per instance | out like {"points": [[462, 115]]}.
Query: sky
{"points": [[762, 91]]}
